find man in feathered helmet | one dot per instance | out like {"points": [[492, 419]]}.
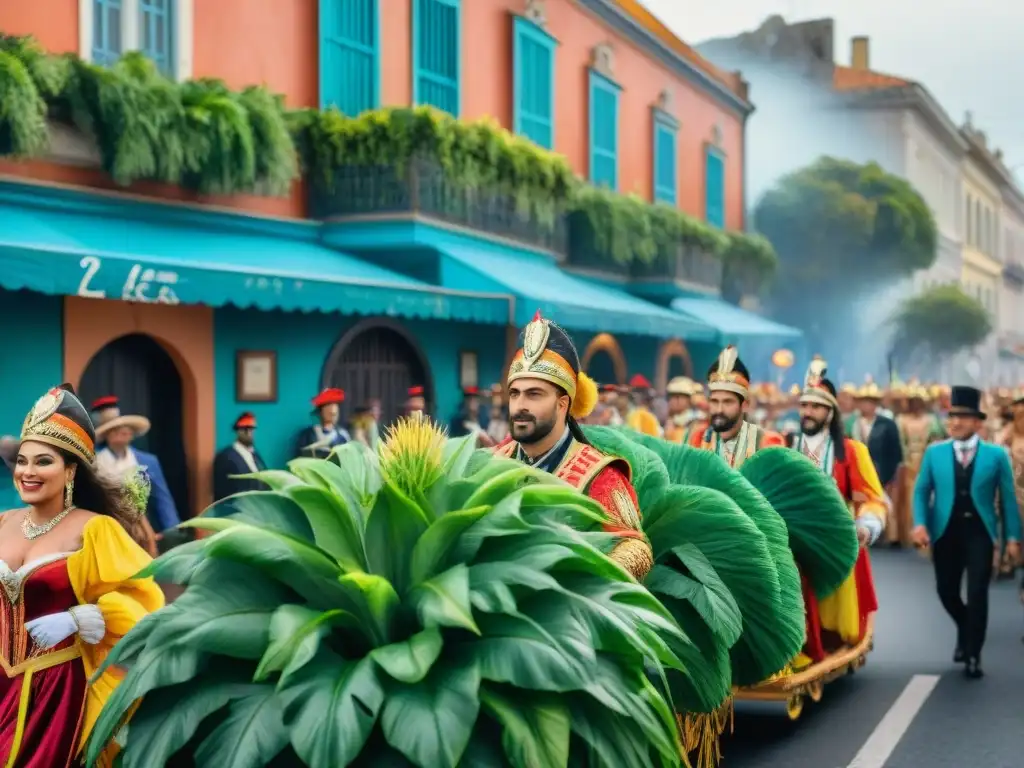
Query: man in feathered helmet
{"points": [[729, 434], [547, 394], [842, 617]]}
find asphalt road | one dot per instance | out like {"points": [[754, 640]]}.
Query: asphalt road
{"points": [[960, 724]]}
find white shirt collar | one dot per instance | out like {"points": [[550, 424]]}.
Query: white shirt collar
{"points": [[813, 443], [969, 444]]}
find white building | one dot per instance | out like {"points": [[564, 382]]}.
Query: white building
{"points": [[1010, 328]]}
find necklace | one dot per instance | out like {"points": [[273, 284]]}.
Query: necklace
{"points": [[32, 531]]}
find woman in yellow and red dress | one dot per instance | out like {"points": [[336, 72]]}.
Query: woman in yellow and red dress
{"points": [[68, 594]]}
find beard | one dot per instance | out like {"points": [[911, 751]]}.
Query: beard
{"points": [[722, 423], [527, 428], [811, 426]]}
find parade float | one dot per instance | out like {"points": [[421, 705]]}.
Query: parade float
{"points": [[811, 539]]}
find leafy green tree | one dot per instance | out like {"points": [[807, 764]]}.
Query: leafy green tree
{"points": [[841, 230], [940, 321]]}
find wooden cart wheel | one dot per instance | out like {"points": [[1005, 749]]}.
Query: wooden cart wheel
{"points": [[795, 706], [816, 690]]}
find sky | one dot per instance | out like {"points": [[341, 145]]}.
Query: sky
{"points": [[964, 51]]}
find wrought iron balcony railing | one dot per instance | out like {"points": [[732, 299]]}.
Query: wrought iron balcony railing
{"points": [[684, 264], [423, 189]]}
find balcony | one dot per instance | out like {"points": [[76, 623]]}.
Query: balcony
{"points": [[587, 249], [688, 266], [422, 189]]}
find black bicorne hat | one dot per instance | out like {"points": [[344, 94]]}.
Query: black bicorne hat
{"points": [[965, 401], [59, 419]]}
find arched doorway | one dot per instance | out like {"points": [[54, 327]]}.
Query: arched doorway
{"points": [[673, 360], [603, 360], [377, 359], [141, 373]]}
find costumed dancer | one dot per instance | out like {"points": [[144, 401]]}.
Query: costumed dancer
{"points": [[317, 441], [882, 437], [961, 485], [239, 458], [641, 417], [729, 434], [67, 564], [842, 617], [1013, 441], [683, 418], [919, 427], [548, 393]]}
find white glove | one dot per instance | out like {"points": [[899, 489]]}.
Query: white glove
{"points": [[872, 526], [86, 620]]}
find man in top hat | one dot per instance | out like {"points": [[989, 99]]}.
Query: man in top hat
{"points": [[471, 419], [882, 437], [239, 458], [683, 418], [117, 458], [318, 440], [547, 394], [842, 617], [417, 402], [961, 482], [728, 433], [641, 417]]}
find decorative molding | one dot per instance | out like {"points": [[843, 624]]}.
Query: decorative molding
{"points": [[666, 101], [717, 135], [602, 59], [537, 12]]}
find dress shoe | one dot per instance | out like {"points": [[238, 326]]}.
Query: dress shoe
{"points": [[958, 656], [973, 669]]}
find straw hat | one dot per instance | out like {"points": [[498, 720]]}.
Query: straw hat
{"points": [[107, 416]]}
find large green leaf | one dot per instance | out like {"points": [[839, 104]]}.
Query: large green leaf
{"points": [[334, 527], [373, 601], [535, 727], [409, 661], [250, 737], [268, 509], [332, 705], [705, 591], [275, 479], [499, 487], [457, 456], [177, 565], [431, 723], [168, 717], [295, 633], [444, 600], [393, 527], [432, 553], [519, 652]]}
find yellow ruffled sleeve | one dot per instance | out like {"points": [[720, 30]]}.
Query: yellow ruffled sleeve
{"points": [[101, 574]]}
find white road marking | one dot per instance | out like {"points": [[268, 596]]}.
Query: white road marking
{"points": [[887, 734]]}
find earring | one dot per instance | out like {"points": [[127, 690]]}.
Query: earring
{"points": [[69, 491]]}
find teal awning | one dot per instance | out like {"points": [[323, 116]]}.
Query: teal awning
{"points": [[735, 325], [235, 260], [538, 283]]}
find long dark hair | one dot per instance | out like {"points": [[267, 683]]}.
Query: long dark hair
{"points": [[837, 431], [96, 493]]}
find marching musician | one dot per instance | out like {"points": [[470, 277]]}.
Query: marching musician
{"points": [[318, 440], [548, 393]]}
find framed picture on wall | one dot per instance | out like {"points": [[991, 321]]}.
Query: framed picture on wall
{"points": [[469, 375], [256, 376]]}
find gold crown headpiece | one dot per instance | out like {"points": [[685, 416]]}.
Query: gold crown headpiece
{"points": [[59, 419], [816, 388], [726, 378], [548, 354]]}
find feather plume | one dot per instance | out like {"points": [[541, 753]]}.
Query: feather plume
{"points": [[727, 359], [586, 396], [815, 371]]}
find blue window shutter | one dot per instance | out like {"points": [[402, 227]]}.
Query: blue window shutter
{"points": [[665, 171], [533, 86], [156, 33], [106, 31], [436, 27], [350, 55], [604, 131], [714, 189]]}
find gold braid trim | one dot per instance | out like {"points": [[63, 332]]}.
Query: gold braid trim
{"points": [[635, 556], [702, 733]]}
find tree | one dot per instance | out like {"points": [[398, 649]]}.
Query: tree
{"points": [[841, 230], [940, 321]]}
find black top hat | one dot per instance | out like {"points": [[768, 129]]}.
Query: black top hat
{"points": [[965, 401]]}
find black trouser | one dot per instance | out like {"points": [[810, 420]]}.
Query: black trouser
{"points": [[965, 545]]}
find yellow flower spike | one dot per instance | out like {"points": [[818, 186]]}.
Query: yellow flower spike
{"points": [[411, 454]]}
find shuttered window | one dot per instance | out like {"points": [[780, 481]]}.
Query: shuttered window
{"points": [[533, 87], [436, 50], [156, 33], [604, 131], [714, 188], [106, 31], [665, 171], [350, 55]]}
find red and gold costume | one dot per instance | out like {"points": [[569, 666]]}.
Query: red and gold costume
{"points": [[49, 700], [548, 354], [844, 613], [728, 374]]}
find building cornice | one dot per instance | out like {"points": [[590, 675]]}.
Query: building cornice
{"points": [[917, 98], [635, 32]]}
